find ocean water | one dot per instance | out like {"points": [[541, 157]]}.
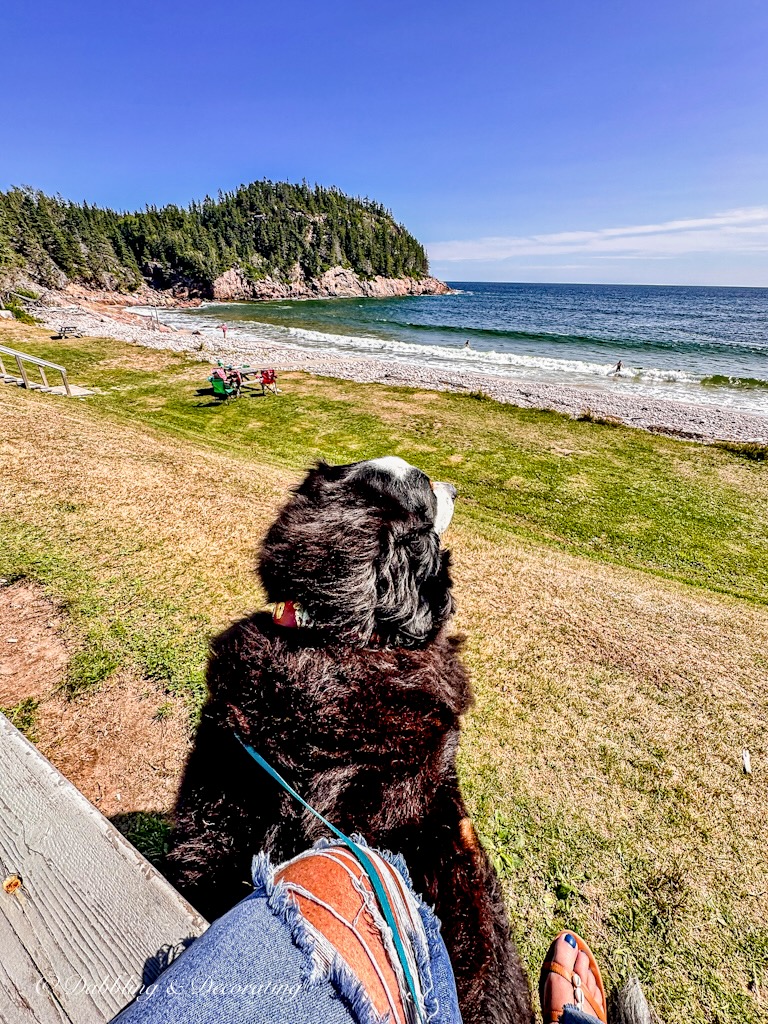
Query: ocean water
{"points": [[707, 345]]}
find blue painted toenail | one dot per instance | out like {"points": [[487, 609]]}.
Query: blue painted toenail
{"points": [[570, 940]]}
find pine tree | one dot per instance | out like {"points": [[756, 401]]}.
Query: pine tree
{"points": [[263, 228]]}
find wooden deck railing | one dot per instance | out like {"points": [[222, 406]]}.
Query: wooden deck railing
{"points": [[84, 919]]}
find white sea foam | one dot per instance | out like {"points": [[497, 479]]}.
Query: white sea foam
{"points": [[652, 381], [488, 361]]}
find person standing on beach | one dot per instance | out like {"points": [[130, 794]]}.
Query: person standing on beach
{"points": [[223, 329]]}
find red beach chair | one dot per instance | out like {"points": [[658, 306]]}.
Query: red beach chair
{"points": [[269, 381]]}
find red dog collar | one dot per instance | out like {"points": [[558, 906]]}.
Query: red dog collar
{"points": [[288, 613]]}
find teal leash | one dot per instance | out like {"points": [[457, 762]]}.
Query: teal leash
{"points": [[365, 861]]}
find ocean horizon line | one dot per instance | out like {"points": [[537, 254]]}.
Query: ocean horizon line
{"points": [[605, 284]]}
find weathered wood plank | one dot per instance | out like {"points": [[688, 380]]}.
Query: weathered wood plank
{"points": [[92, 914], [24, 994], [22, 371]]}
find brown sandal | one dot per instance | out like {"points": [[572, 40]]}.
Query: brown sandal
{"points": [[580, 993]]}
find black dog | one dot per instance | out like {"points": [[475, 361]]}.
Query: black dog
{"points": [[353, 690]]}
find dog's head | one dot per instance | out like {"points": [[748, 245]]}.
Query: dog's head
{"points": [[358, 547]]}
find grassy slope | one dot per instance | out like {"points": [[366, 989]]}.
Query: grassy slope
{"points": [[612, 586]]}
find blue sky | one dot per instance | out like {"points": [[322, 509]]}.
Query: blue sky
{"points": [[534, 141]]}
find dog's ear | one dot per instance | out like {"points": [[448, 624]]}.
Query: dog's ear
{"points": [[318, 477], [413, 586], [320, 552]]}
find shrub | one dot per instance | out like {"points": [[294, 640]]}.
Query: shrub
{"points": [[752, 450], [19, 312]]}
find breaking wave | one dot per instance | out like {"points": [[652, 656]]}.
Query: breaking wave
{"points": [[720, 380], [689, 346]]}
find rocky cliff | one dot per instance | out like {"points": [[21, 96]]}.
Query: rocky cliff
{"points": [[234, 286], [338, 282]]}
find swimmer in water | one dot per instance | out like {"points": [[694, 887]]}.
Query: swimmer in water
{"points": [[616, 370]]}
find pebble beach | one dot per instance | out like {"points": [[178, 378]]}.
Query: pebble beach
{"points": [[697, 422]]}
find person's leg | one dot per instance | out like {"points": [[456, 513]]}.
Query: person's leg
{"points": [[309, 946], [336, 899], [571, 989], [250, 967]]}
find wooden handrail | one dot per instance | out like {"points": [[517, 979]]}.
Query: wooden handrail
{"points": [[23, 357], [32, 359]]}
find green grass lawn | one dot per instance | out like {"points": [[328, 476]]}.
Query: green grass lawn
{"points": [[611, 584], [684, 511]]}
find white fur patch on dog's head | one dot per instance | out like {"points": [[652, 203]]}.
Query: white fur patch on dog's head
{"points": [[392, 464], [411, 478], [445, 495]]}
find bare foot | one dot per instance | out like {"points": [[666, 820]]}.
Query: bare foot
{"points": [[557, 991]]}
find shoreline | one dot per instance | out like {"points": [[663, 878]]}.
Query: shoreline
{"points": [[683, 420]]}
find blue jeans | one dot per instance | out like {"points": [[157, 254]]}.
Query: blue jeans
{"points": [[254, 966], [572, 1015]]}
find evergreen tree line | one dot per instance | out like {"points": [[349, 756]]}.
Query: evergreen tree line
{"points": [[266, 228]]}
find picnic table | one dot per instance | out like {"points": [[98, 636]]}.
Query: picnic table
{"points": [[85, 920]]}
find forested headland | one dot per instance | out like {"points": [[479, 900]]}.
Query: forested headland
{"points": [[265, 232]]}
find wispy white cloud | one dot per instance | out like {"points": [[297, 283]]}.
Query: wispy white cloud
{"points": [[734, 231]]}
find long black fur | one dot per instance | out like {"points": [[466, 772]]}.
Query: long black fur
{"points": [[360, 712]]}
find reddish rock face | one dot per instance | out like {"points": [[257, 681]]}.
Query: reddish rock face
{"points": [[234, 286], [337, 282]]}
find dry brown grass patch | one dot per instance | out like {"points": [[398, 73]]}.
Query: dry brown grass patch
{"points": [[123, 745], [35, 649], [160, 509], [622, 703]]}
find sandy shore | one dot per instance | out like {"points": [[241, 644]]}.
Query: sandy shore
{"points": [[679, 419]]}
